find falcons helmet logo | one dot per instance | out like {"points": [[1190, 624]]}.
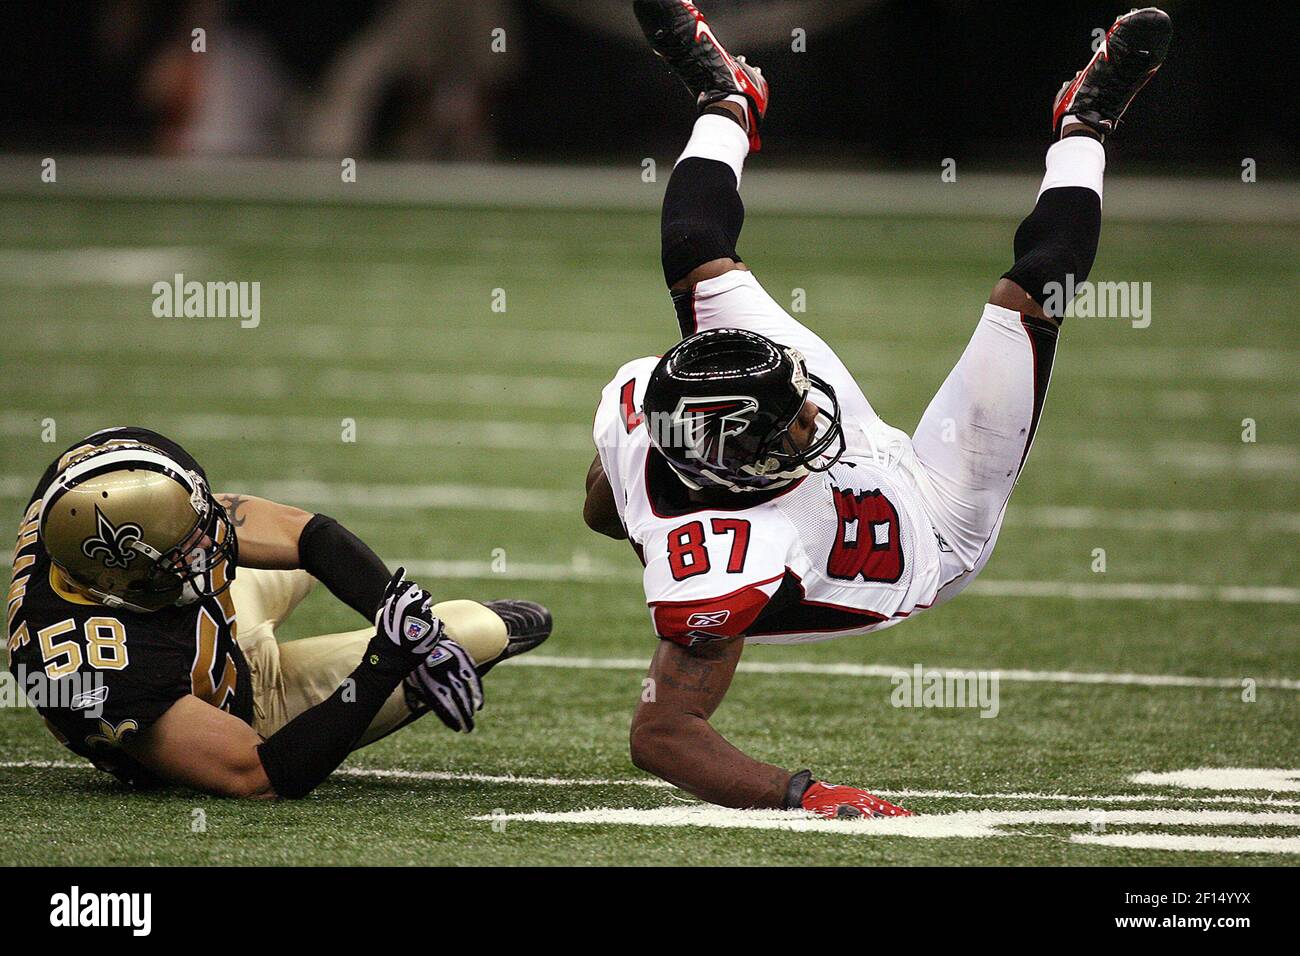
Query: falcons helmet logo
{"points": [[703, 425]]}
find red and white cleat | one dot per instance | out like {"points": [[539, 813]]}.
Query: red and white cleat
{"points": [[679, 33], [1133, 49], [841, 803]]}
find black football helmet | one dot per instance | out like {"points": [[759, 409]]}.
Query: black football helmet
{"points": [[719, 406]]}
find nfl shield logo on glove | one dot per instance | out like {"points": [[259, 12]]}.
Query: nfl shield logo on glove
{"points": [[415, 629], [439, 654]]}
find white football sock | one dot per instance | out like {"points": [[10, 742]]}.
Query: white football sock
{"points": [[719, 138], [1075, 161]]}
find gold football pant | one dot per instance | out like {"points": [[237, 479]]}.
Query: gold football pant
{"points": [[292, 677]]}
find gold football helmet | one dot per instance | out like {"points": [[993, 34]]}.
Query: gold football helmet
{"points": [[133, 528]]}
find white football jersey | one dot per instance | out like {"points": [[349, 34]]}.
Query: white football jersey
{"points": [[837, 553]]}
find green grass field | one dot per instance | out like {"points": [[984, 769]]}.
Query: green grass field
{"points": [[472, 440]]}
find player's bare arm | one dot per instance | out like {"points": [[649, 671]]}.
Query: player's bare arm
{"points": [[269, 533], [199, 746], [673, 739], [599, 510]]}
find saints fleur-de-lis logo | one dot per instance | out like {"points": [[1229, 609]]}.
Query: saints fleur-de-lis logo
{"points": [[111, 735], [112, 544]]}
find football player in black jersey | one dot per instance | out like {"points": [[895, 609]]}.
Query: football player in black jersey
{"points": [[158, 601]]}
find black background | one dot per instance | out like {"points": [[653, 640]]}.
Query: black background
{"points": [[906, 83]]}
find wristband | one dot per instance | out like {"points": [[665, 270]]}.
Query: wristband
{"points": [[796, 788]]}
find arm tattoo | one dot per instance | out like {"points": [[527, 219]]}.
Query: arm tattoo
{"points": [[231, 503], [694, 672]]}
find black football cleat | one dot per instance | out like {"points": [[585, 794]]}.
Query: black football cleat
{"points": [[1132, 51], [679, 33], [528, 624]]}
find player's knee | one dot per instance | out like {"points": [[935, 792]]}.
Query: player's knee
{"points": [[1056, 244], [702, 217], [689, 244]]}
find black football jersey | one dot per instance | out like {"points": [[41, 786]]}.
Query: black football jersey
{"points": [[121, 670]]}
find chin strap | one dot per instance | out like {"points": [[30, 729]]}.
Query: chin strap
{"points": [[720, 484]]}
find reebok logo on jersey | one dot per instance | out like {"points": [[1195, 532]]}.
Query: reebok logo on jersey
{"points": [[708, 618], [90, 699]]}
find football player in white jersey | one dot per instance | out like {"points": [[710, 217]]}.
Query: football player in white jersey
{"points": [[766, 499]]}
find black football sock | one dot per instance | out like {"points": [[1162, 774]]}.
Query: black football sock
{"points": [[702, 212], [1056, 244], [702, 217]]}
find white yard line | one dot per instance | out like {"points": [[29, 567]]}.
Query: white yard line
{"points": [[968, 824], [488, 497], [451, 776], [136, 266], [890, 670], [586, 570], [1194, 842], [592, 573], [1190, 457], [328, 431], [405, 497], [581, 570], [183, 339], [306, 491], [560, 391], [1032, 797], [603, 352], [1135, 591], [273, 382], [1178, 520], [1276, 779], [396, 774], [448, 775]]}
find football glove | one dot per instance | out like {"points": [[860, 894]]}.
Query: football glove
{"points": [[448, 684], [405, 627], [838, 803]]}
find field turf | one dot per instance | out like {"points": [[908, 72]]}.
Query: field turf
{"points": [[472, 440]]}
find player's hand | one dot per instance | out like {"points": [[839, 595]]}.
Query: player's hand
{"points": [[447, 683], [835, 802], [405, 627]]}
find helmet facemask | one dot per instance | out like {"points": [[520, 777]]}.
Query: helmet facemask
{"points": [[797, 462], [194, 569]]}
